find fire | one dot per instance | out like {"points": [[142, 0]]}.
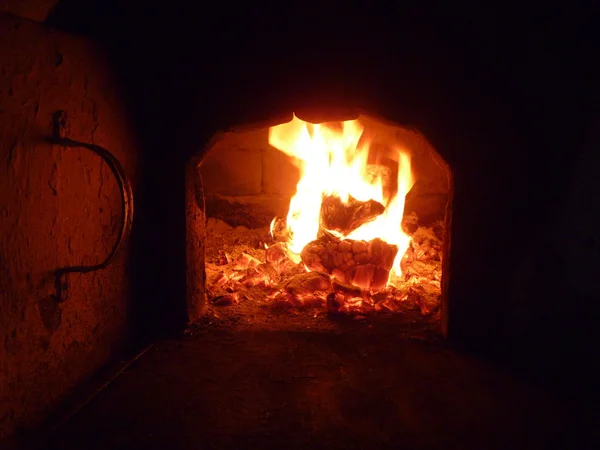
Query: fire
{"points": [[334, 162]]}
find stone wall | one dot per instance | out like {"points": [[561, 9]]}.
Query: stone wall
{"points": [[58, 207]]}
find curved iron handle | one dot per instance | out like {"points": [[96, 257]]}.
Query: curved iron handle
{"points": [[126, 197]]}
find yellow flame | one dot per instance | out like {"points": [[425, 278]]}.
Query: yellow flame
{"points": [[334, 162]]}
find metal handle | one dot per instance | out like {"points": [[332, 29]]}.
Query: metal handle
{"points": [[126, 197]]}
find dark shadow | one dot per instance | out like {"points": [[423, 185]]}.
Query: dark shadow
{"points": [[303, 389]]}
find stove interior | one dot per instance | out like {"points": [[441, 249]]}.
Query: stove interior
{"points": [[345, 218]]}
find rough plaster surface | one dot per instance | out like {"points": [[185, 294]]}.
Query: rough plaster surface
{"points": [[37, 10], [58, 207]]}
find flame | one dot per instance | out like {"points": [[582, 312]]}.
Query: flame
{"points": [[335, 162]]}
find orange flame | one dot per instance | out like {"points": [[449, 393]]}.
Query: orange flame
{"points": [[334, 162]]}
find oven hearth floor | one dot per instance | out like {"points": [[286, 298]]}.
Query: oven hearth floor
{"points": [[245, 385]]}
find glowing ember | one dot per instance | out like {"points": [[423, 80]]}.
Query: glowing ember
{"points": [[334, 163], [238, 276]]}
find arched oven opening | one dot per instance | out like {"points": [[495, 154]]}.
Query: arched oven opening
{"points": [[306, 219]]}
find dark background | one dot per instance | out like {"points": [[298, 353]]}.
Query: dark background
{"points": [[520, 82]]}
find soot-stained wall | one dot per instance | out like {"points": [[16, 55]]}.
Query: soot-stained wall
{"points": [[58, 207]]}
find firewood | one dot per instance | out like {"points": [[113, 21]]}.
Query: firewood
{"points": [[279, 230], [307, 282], [276, 253], [225, 300], [354, 273], [426, 297], [359, 263], [410, 223], [270, 271], [245, 261], [346, 289], [334, 302], [346, 217], [253, 277]]}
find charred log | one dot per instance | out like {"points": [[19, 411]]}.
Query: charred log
{"points": [[279, 231], [346, 217], [276, 253], [307, 283], [410, 223], [359, 263], [346, 289]]}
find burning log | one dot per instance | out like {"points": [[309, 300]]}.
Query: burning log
{"points": [[252, 277], [223, 259], [307, 282], [347, 289], [225, 300], [424, 255], [426, 297], [410, 223], [307, 289], [347, 276], [346, 217], [425, 235], [287, 267], [278, 256], [359, 263], [278, 230], [335, 302], [245, 261], [276, 253], [269, 271], [349, 299]]}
